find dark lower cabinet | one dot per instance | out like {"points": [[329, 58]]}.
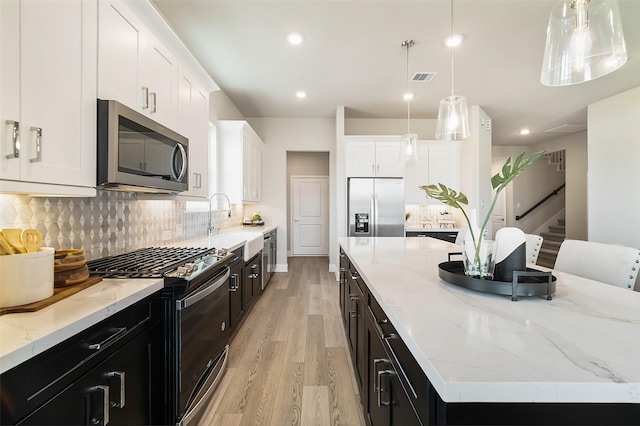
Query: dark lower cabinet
{"points": [[389, 396], [252, 281], [236, 280], [112, 373], [356, 325], [449, 236], [115, 392]]}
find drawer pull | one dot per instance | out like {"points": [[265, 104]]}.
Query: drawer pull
{"points": [[376, 361], [120, 376], [118, 333], [353, 313], [381, 331], [105, 405], [382, 403]]}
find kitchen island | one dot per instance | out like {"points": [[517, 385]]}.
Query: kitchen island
{"points": [[574, 359]]}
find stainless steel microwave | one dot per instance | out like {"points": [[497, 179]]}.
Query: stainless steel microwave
{"points": [[137, 154]]}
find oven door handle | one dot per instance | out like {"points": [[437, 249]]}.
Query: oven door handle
{"points": [[204, 292]]}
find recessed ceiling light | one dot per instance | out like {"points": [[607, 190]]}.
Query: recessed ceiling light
{"points": [[525, 131], [407, 96], [453, 40], [301, 95], [295, 38]]}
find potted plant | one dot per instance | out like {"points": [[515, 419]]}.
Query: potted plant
{"points": [[456, 199]]}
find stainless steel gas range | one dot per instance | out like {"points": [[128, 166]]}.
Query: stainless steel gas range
{"points": [[197, 316]]}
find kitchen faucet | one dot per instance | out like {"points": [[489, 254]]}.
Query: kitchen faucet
{"points": [[210, 227]]}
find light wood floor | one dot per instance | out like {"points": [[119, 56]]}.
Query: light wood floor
{"points": [[289, 363]]}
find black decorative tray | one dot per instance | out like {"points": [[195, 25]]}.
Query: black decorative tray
{"points": [[525, 283], [253, 223]]}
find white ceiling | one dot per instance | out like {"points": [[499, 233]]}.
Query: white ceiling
{"points": [[352, 56]]}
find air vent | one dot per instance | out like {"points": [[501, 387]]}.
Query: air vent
{"points": [[423, 77], [567, 128]]}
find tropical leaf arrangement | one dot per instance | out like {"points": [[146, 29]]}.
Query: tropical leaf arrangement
{"points": [[510, 170]]}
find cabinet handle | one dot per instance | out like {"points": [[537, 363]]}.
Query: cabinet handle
{"points": [[382, 403], [118, 332], [376, 384], [373, 168], [38, 156], [15, 139], [352, 313], [145, 97], [105, 405], [254, 274], [233, 284], [120, 376], [154, 109], [381, 332], [377, 167]]}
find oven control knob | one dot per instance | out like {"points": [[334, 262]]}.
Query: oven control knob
{"points": [[190, 267], [182, 271]]}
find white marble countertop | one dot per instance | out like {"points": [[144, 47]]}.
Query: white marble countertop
{"points": [[582, 346], [24, 335]]}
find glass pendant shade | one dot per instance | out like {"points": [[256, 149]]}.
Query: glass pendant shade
{"points": [[584, 41], [410, 147], [453, 119]]}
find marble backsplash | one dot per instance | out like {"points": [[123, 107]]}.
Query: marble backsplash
{"points": [[110, 223]]}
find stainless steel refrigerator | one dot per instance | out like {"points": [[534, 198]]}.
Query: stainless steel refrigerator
{"points": [[376, 207]]}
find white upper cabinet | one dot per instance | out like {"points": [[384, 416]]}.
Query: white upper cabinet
{"points": [[48, 96], [134, 67], [240, 162], [193, 122], [438, 162], [373, 156]]}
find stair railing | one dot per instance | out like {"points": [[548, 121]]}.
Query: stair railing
{"points": [[554, 192]]}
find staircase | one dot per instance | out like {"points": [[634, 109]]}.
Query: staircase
{"points": [[551, 244]]}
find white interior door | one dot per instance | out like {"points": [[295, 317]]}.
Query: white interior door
{"points": [[310, 215], [499, 214]]}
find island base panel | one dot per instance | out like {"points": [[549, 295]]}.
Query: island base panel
{"points": [[536, 414]]}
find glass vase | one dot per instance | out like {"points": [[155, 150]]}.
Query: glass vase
{"points": [[479, 263]]}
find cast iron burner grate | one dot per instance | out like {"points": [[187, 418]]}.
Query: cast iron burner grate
{"points": [[152, 262]]}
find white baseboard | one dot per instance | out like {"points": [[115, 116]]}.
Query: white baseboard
{"points": [[282, 267]]}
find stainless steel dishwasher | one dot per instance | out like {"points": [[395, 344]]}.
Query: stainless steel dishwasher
{"points": [[266, 261]]}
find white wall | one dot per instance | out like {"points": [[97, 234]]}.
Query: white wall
{"points": [[424, 128], [475, 166], [279, 136], [575, 147], [221, 108], [531, 186], [614, 169]]}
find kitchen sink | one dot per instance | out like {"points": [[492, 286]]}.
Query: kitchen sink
{"points": [[254, 241]]}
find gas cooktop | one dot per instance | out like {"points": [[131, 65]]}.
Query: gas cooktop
{"points": [[157, 262]]}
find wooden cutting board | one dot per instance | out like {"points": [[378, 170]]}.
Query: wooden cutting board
{"points": [[58, 294]]}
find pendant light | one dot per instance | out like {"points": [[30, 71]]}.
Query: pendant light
{"points": [[584, 41], [453, 117], [410, 140]]}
